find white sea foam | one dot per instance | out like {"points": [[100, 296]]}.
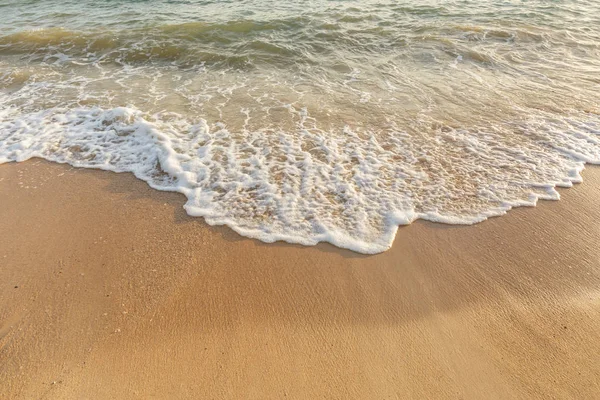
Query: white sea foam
{"points": [[307, 187]]}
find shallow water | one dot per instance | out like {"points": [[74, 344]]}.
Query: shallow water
{"points": [[311, 121]]}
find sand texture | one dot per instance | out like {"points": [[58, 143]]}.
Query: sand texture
{"points": [[108, 290]]}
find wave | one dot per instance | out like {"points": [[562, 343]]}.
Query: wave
{"points": [[335, 124], [306, 186], [245, 43]]}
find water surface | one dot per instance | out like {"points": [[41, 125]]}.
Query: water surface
{"points": [[314, 120]]}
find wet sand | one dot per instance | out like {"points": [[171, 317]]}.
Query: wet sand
{"points": [[109, 290]]}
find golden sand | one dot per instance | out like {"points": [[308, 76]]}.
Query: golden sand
{"points": [[108, 290]]}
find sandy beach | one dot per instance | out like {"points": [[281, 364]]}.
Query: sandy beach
{"points": [[109, 290]]}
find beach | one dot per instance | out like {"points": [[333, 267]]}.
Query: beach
{"points": [[108, 289], [342, 199]]}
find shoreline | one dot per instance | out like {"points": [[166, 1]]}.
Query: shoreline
{"points": [[110, 290]]}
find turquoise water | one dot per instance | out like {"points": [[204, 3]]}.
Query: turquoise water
{"points": [[311, 120]]}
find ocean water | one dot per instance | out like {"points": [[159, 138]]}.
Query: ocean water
{"points": [[310, 121]]}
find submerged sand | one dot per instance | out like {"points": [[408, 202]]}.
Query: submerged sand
{"points": [[109, 290]]}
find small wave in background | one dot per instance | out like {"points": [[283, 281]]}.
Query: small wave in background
{"points": [[312, 121]]}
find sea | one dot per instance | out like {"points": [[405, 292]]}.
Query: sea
{"points": [[310, 121]]}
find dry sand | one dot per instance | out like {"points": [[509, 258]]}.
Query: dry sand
{"points": [[108, 290]]}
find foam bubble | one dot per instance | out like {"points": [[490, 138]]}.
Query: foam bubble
{"points": [[307, 187]]}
